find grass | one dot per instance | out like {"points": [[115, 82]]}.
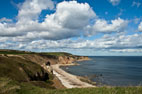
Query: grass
{"points": [[100, 90], [8, 86], [21, 70], [16, 52], [57, 53], [18, 69]]}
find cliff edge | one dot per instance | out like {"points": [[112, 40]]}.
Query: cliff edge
{"points": [[31, 67]]}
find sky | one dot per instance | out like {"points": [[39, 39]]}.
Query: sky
{"points": [[81, 27]]}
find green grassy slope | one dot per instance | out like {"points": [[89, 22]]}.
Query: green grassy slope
{"points": [[12, 87], [19, 69], [57, 53], [15, 70], [3, 51]]}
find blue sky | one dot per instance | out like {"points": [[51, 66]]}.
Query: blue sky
{"points": [[9, 8], [82, 27]]}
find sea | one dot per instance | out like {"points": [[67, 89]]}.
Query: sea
{"points": [[110, 70]]}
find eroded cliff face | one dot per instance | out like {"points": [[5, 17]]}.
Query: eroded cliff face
{"points": [[33, 67], [70, 59], [65, 60], [41, 60]]}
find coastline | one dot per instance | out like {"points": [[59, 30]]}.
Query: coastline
{"points": [[69, 80]]}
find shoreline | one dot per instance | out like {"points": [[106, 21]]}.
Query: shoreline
{"points": [[69, 80]]}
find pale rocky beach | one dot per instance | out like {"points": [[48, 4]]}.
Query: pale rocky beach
{"points": [[67, 79]]}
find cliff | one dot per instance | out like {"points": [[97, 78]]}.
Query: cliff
{"points": [[42, 58], [20, 69], [31, 67]]}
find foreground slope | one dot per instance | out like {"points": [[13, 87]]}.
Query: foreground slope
{"points": [[12, 87]]}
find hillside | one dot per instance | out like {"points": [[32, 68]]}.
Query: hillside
{"points": [[9, 86], [24, 72], [30, 67]]}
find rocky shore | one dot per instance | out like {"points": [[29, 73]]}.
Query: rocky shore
{"points": [[68, 80]]}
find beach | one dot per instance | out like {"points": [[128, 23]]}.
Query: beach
{"points": [[67, 79]]}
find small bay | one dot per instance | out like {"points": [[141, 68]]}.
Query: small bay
{"points": [[110, 70]]}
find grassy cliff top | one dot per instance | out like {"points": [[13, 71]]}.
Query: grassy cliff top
{"points": [[17, 52], [6, 51], [57, 53]]}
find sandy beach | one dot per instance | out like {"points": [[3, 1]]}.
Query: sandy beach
{"points": [[68, 80]]}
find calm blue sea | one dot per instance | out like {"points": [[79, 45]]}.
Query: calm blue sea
{"points": [[110, 70]]}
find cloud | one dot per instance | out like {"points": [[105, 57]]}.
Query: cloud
{"points": [[126, 50], [27, 18], [31, 9], [120, 13], [114, 2], [119, 42], [5, 20], [7, 29], [136, 20], [68, 20], [137, 4], [74, 15], [71, 19], [103, 26], [140, 27]]}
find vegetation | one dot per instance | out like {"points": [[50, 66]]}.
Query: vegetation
{"points": [[15, 52], [57, 54], [15, 69], [8, 86], [21, 76], [19, 69], [28, 52]]}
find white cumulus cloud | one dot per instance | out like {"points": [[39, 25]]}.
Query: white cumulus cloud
{"points": [[114, 2], [137, 4], [5, 20], [68, 21], [73, 15], [31, 9], [140, 27], [103, 26]]}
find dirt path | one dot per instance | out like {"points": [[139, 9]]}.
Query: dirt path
{"points": [[68, 80]]}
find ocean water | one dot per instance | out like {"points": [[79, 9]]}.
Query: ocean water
{"points": [[110, 70]]}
